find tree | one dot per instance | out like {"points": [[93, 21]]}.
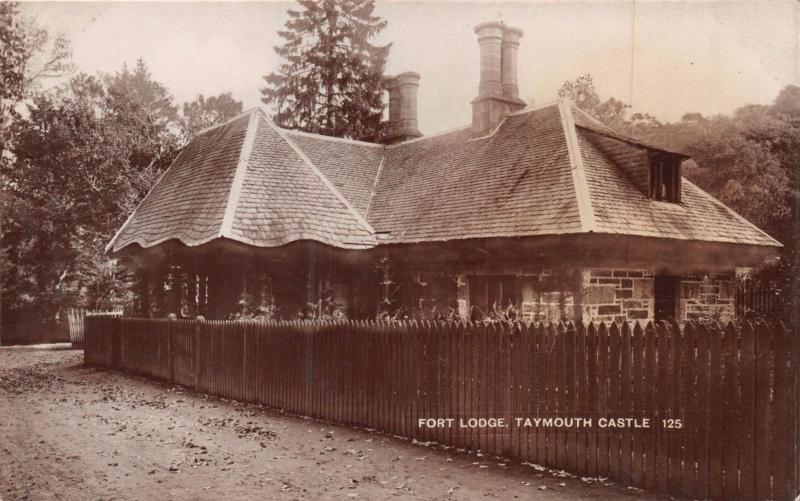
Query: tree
{"points": [[330, 82], [203, 113], [27, 55], [25, 58], [581, 91], [747, 160], [82, 158], [59, 199], [145, 112]]}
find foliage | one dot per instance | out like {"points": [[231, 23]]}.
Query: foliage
{"points": [[26, 57], [203, 113], [330, 80], [145, 110], [78, 170], [583, 94], [250, 309], [75, 166], [747, 160], [496, 314]]}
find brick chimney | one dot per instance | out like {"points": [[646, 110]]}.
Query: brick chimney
{"points": [[403, 123], [498, 92]]}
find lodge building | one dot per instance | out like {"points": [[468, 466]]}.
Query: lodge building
{"points": [[534, 212]]}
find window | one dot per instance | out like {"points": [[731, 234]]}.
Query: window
{"points": [[665, 177], [493, 292]]}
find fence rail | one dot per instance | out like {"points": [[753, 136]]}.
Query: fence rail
{"points": [[76, 321], [721, 400]]}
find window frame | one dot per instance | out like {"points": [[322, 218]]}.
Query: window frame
{"points": [[664, 177], [483, 289]]}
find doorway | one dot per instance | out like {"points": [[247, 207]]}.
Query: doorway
{"points": [[666, 292]]}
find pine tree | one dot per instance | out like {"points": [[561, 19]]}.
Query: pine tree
{"points": [[330, 81]]}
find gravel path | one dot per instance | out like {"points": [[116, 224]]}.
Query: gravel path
{"points": [[72, 432]]}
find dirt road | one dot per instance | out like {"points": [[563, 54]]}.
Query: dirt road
{"points": [[71, 432]]}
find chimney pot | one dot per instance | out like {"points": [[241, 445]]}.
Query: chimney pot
{"points": [[490, 39], [511, 38], [393, 88], [498, 92], [403, 124]]}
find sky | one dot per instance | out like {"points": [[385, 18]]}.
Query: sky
{"points": [[665, 58]]}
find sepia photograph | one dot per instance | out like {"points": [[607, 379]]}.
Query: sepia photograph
{"points": [[400, 249]]}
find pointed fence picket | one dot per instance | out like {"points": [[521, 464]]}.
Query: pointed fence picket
{"points": [[721, 400]]}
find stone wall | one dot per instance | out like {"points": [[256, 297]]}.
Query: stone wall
{"points": [[708, 297], [627, 294], [617, 295], [569, 294]]}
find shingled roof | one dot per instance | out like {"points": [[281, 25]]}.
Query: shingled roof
{"points": [[547, 170], [246, 181], [516, 182]]}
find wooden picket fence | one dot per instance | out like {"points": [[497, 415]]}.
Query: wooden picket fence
{"points": [[76, 320], [734, 390], [755, 299]]}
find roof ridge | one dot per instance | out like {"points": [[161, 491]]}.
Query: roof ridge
{"points": [[325, 181], [632, 140], [238, 177], [532, 107], [523, 111], [422, 138], [491, 132], [330, 138], [582, 194], [589, 117]]}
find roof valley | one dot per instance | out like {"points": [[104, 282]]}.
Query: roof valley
{"points": [[375, 184]]}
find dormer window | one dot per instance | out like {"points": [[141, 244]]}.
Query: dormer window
{"points": [[665, 177]]}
